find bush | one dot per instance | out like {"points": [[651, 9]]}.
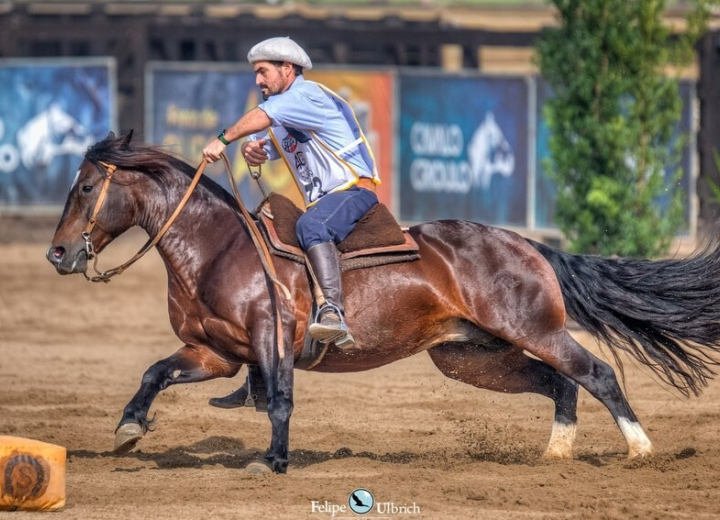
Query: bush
{"points": [[611, 123]]}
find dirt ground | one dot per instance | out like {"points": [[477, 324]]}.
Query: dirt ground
{"points": [[72, 354]]}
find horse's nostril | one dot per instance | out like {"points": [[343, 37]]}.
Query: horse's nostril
{"points": [[56, 253]]}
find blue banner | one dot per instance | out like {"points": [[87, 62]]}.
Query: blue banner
{"points": [[545, 187], [50, 112], [463, 148], [189, 105]]}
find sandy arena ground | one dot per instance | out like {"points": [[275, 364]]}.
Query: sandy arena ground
{"points": [[72, 354]]}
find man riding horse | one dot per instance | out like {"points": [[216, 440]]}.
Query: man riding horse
{"points": [[317, 135]]}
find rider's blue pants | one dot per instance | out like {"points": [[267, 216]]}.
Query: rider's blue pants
{"points": [[333, 216]]}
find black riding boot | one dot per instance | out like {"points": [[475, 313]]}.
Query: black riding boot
{"points": [[252, 393], [329, 325]]}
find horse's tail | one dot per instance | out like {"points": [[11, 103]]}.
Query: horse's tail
{"points": [[665, 313]]}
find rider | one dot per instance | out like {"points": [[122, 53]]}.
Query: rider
{"points": [[317, 135]]}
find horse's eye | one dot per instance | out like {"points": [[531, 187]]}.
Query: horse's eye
{"points": [[87, 189]]}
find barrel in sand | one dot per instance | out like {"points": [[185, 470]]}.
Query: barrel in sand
{"points": [[32, 475]]}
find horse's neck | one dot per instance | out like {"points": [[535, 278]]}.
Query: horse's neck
{"points": [[204, 229]]}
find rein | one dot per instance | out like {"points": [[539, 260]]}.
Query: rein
{"points": [[257, 239]]}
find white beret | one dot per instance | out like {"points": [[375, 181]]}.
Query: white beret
{"points": [[280, 49]]}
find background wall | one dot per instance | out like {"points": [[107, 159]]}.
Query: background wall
{"points": [[413, 48]]}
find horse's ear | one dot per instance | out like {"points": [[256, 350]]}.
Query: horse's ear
{"points": [[126, 140]]}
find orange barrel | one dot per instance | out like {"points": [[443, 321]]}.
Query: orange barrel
{"points": [[32, 475]]}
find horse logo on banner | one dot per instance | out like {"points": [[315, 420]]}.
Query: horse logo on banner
{"points": [[51, 133], [489, 153]]}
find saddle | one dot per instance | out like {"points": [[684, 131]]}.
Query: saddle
{"points": [[376, 240]]}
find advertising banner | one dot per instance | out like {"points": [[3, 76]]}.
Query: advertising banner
{"points": [[464, 148], [50, 112], [189, 104], [545, 187]]}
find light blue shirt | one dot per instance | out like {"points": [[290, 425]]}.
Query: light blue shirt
{"points": [[307, 107]]}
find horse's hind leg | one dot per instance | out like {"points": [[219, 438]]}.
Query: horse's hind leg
{"points": [[190, 364], [511, 371], [567, 356]]}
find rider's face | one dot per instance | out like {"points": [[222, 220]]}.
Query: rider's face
{"points": [[272, 79]]}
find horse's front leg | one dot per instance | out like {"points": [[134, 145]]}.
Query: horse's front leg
{"points": [[278, 375], [190, 364]]}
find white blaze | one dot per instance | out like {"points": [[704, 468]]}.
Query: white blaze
{"points": [[77, 176]]}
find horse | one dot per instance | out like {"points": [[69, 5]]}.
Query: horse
{"points": [[489, 306]]}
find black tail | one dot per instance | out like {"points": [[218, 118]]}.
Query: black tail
{"points": [[666, 313]]}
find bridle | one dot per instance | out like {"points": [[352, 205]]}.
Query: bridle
{"points": [[87, 234], [257, 239]]}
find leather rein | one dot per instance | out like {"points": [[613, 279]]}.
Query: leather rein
{"points": [[257, 239]]}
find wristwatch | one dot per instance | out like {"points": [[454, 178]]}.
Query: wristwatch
{"points": [[222, 139]]}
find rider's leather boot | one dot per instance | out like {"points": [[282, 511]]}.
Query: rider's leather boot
{"points": [[329, 324], [252, 393]]}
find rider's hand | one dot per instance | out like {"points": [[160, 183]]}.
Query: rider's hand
{"points": [[254, 152], [211, 152]]}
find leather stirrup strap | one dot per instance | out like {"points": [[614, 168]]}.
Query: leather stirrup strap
{"points": [[264, 255]]}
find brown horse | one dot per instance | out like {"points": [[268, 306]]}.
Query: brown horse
{"points": [[479, 300]]}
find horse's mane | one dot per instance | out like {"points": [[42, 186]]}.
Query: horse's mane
{"points": [[149, 160]]}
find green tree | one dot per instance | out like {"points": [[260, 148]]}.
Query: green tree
{"points": [[611, 122]]}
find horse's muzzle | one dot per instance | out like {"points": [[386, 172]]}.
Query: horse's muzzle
{"points": [[66, 263]]}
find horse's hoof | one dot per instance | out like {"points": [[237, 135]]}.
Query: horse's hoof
{"points": [[557, 454], [640, 450], [561, 441], [126, 437], [642, 453], [258, 467]]}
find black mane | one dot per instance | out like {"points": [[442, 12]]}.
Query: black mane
{"points": [[149, 160]]}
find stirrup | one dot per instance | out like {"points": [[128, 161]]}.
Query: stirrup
{"points": [[346, 343], [326, 333], [328, 306], [339, 335]]}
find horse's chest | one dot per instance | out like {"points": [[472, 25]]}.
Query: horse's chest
{"points": [[194, 324], [223, 333]]}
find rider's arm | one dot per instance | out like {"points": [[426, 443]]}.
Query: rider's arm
{"points": [[251, 123]]}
